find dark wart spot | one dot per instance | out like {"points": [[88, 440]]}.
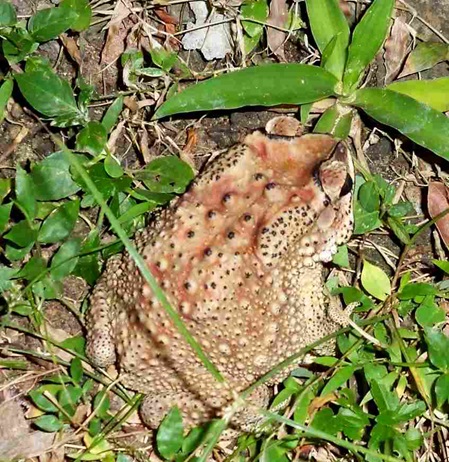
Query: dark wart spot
{"points": [[259, 176], [231, 235], [270, 186], [226, 197], [247, 217], [211, 214], [190, 234], [187, 285], [208, 251]]}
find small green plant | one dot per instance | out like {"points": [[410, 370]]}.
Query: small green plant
{"points": [[344, 59]]}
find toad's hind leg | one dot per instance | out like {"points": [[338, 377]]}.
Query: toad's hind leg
{"points": [[101, 320]]}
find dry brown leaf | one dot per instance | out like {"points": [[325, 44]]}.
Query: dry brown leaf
{"points": [[192, 140], [117, 32], [16, 439], [114, 136], [278, 17], [164, 16], [144, 146], [396, 48], [72, 48], [438, 202]]}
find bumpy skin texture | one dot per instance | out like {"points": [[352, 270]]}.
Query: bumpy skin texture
{"points": [[240, 257]]}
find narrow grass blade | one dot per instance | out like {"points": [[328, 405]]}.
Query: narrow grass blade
{"points": [[434, 93], [416, 120], [328, 23], [367, 40], [267, 85]]}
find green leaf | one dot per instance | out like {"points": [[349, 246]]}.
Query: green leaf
{"points": [[409, 411], [17, 45], [419, 122], [338, 379], [88, 266], [112, 167], [5, 94], [48, 423], [369, 196], [43, 403], [365, 221], [81, 9], [438, 346], [442, 264], [25, 192], [266, 85], [163, 58], [8, 15], [415, 289], [429, 314], [47, 93], [5, 211], [326, 421], [52, 179], [76, 370], [48, 23], [326, 22], [398, 229], [33, 268], [166, 175], [22, 234], [170, 434], [442, 389], [92, 138], [102, 404], [341, 258], [257, 10], [112, 114], [400, 209], [65, 259], [375, 281], [385, 399], [5, 188], [425, 56], [59, 223], [367, 39], [434, 93]]}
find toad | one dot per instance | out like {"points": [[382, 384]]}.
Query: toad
{"points": [[240, 257]]}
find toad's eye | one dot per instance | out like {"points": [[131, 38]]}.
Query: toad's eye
{"points": [[347, 186]]}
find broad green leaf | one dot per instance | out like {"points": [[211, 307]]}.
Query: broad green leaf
{"points": [[5, 94], [338, 379], [369, 196], [25, 192], [419, 122], [416, 289], [47, 93], [48, 23], [400, 209], [375, 281], [81, 9], [364, 221], [166, 174], [17, 45], [33, 268], [5, 188], [112, 167], [48, 423], [6, 275], [65, 259], [22, 234], [434, 93], [137, 210], [438, 346], [41, 401], [326, 22], [442, 264], [8, 15], [326, 421], [341, 258], [367, 39], [327, 121], [266, 85], [257, 10], [52, 179], [92, 138], [385, 399], [112, 114], [15, 252], [163, 58], [102, 404], [5, 211], [88, 266], [442, 389], [429, 314], [170, 434], [398, 229], [59, 223], [425, 56], [353, 422], [409, 411]]}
